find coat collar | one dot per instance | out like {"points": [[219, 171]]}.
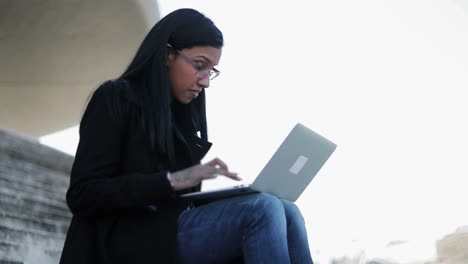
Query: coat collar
{"points": [[197, 146]]}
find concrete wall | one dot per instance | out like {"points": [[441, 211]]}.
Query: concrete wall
{"points": [[33, 215]]}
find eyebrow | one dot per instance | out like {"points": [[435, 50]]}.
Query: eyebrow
{"points": [[204, 58]]}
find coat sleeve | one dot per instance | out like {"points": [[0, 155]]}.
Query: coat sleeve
{"points": [[97, 185]]}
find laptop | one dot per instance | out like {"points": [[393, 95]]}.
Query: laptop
{"points": [[289, 171]]}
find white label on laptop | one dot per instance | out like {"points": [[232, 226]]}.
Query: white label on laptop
{"points": [[298, 165]]}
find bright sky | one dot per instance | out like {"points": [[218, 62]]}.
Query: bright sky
{"points": [[384, 80]]}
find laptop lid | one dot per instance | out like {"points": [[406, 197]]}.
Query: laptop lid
{"points": [[294, 164]]}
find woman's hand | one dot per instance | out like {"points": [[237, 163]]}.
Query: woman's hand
{"points": [[194, 175]]}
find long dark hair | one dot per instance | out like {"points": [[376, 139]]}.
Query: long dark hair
{"points": [[147, 76]]}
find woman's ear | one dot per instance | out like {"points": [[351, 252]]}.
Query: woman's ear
{"points": [[170, 56]]}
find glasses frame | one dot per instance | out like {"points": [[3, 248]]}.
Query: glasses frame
{"points": [[201, 72]]}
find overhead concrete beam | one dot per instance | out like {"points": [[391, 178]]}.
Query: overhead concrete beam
{"points": [[53, 53]]}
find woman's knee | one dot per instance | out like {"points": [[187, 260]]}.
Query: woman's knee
{"points": [[267, 201], [265, 206], [292, 212]]}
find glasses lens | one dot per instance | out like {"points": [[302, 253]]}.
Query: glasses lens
{"points": [[203, 73], [214, 74]]}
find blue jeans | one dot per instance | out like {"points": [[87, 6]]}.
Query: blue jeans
{"points": [[258, 228]]}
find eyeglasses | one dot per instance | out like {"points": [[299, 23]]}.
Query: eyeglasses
{"points": [[201, 72]]}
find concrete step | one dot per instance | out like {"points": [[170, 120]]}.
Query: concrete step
{"points": [[19, 221], [31, 174], [7, 186], [30, 237], [40, 208], [5, 261], [9, 251], [39, 196], [21, 179], [14, 253]]}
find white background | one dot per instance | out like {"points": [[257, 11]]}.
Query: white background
{"points": [[385, 80]]}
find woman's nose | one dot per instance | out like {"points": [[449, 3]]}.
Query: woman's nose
{"points": [[205, 82]]}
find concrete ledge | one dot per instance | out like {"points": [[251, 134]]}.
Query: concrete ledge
{"points": [[22, 147], [34, 217]]}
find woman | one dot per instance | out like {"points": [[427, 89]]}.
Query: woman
{"points": [[142, 138]]}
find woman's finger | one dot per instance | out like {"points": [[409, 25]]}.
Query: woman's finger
{"points": [[228, 174], [219, 162]]}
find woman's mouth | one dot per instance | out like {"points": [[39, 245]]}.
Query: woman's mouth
{"points": [[194, 93]]}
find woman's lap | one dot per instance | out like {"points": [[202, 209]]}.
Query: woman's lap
{"points": [[227, 229]]}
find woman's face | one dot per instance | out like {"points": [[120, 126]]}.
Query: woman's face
{"points": [[185, 83]]}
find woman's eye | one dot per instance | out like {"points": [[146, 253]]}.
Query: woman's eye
{"points": [[201, 65]]}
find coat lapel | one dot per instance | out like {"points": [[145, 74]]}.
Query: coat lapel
{"points": [[198, 147]]}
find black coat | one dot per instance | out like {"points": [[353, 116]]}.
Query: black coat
{"points": [[124, 209]]}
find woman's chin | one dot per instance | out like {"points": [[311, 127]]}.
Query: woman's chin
{"points": [[185, 100]]}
